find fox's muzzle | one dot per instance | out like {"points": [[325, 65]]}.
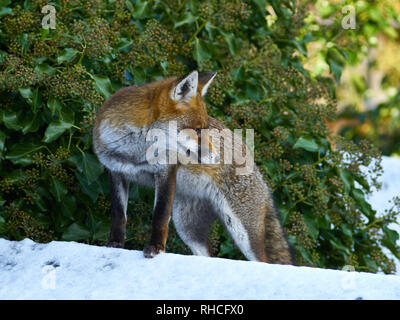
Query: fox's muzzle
{"points": [[196, 146], [206, 153]]}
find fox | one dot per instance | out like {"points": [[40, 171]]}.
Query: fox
{"points": [[194, 194]]}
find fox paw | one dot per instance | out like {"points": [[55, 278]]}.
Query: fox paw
{"points": [[114, 244], [151, 250]]}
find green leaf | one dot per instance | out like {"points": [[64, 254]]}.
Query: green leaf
{"points": [[338, 245], [336, 55], [200, 50], [231, 41], [239, 74], [261, 4], [103, 85], [68, 54], [362, 202], [2, 221], [54, 105], [5, 11], [33, 98], [392, 235], [37, 100], [30, 123], [390, 241], [336, 69], [347, 179], [124, 44], [92, 190], [45, 68], [55, 130], [26, 93], [139, 75], [306, 143], [92, 167], [88, 164], [2, 55], [57, 189], [2, 140], [346, 230], [185, 18], [10, 120], [299, 46], [44, 32], [4, 3], [25, 43], [284, 211], [142, 9], [67, 114], [69, 206], [22, 153], [101, 230], [16, 176], [312, 226], [371, 264], [391, 32], [76, 232]]}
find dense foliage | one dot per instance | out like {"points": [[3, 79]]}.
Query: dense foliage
{"points": [[369, 92], [52, 81]]}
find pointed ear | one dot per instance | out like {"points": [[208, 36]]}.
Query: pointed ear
{"points": [[186, 87], [205, 79]]}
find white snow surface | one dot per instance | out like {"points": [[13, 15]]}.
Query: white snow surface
{"points": [[379, 200], [70, 270], [79, 271]]}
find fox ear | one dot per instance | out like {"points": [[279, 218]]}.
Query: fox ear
{"points": [[205, 79], [186, 87]]}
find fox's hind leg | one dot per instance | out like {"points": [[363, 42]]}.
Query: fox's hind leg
{"points": [[119, 189], [192, 220]]}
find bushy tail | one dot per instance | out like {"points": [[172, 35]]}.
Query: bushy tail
{"points": [[277, 247]]}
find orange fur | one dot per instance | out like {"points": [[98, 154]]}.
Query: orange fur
{"points": [[146, 104]]}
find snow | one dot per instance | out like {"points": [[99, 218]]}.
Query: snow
{"points": [[390, 180], [70, 270], [379, 200]]}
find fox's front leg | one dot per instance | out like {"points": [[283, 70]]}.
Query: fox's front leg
{"points": [[164, 198], [119, 191]]}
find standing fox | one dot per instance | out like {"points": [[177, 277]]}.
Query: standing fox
{"points": [[196, 194]]}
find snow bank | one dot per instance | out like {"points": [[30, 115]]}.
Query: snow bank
{"points": [[379, 200], [69, 270]]}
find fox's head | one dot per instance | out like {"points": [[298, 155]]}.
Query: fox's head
{"points": [[185, 102], [186, 107], [154, 106], [188, 93]]}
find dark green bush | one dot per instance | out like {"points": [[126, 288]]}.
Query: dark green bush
{"points": [[52, 82]]}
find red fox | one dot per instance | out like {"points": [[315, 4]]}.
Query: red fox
{"points": [[196, 194]]}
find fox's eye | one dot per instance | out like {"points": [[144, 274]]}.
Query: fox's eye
{"points": [[188, 153]]}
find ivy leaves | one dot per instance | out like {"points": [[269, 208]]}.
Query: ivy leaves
{"points": [[261, 83], [67, 55], [23, 153], [306, 143]]}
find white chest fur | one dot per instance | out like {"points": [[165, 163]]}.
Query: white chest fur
{"points": [[123, 149]]}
